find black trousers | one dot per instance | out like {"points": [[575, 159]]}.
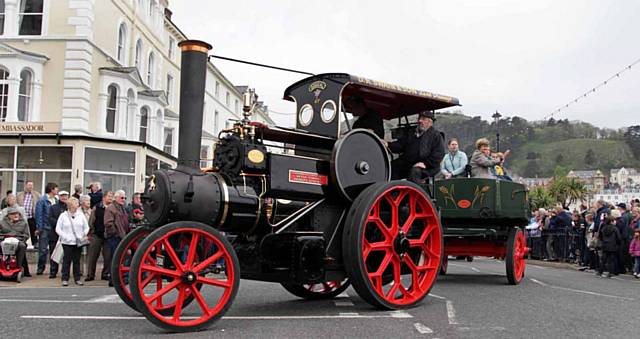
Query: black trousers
{"points": [[32, 229], [609, 261], [401, 169], [71, 255], [53, 266]]}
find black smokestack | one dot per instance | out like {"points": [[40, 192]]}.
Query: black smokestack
{"points": [[193, 76]]}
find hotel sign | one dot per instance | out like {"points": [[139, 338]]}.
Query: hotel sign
{"points": [[29, 127]]}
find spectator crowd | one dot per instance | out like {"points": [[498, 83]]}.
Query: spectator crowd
{"points": [[601, 238], [65, 228]]}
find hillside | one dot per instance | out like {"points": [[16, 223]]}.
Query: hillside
{"points": [[539, 147]]}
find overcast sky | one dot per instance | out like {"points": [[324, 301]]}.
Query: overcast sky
{"points": [[523, 58]]}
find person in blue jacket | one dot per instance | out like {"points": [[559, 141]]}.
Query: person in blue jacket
{"points": [[454, 162], [43, 228]]}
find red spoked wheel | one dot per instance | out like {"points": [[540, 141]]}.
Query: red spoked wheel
{"points": [[171, 252], [515, 257], [392, 244], [319, 291], [121, 263]]}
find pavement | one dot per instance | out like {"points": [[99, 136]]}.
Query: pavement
{"points": [[472, 301]]}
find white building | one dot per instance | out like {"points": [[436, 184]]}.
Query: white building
{"points": [[624, 177], [617, 196], [89, 92]]}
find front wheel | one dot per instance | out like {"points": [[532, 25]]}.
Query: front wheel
{"points": [[171, 252], [392, 244], [319, 291]]}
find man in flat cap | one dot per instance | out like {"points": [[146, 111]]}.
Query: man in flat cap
{"points": [[420, 151]]}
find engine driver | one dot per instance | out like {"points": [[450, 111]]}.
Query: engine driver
{"points": [[420, 151]]}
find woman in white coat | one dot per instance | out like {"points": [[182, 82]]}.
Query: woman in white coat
{"points": [[72, 228]]}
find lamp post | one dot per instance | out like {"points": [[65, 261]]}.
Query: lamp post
{"points": [[497, 117]]}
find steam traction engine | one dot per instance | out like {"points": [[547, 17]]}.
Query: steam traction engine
{"points": [[314, 221]]}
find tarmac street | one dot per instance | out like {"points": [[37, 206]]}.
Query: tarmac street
{"points": [[472, 301]]}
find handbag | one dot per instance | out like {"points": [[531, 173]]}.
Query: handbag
{"points": [[80, 242], [57, 253]]}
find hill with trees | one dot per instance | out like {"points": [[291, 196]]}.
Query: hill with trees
{"points": [[539, 148]]}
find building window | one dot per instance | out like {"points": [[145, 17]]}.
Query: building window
{"points": [[30, 17], [172, 43], [237, 106], [144, 123], [122, 41], [4, 93], [169, 89], [24, 97], [112, 99], [204, 156], [150, 66], [115, 170], [216, 122], [168, 140], [228, 99], [217, 89], [1, 17], [138, 60]]}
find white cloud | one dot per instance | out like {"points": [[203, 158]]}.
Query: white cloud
{"points": [[521, 58]]}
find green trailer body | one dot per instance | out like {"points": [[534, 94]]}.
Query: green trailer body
{"points": [[469, 205]]}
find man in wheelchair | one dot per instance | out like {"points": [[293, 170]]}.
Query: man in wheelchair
{"points": [[13, 225]]}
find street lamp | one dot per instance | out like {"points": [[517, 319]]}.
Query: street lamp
{"points": [[497, 117]]}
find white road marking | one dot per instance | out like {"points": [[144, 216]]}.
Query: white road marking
{"points": [[99, 300], [493, 328], [538, 282], [536, 266], [580, 291], [343, 295], [350, 315], [422, 329], [465, 266], [451, 313], [475, 269], [437, 296], [400, 314], [110, 299]]}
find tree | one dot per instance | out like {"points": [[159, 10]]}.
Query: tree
{"points": [[532, 169], [559, 159], [590, 158], [540, 198], [567, 191], [632, 137]]}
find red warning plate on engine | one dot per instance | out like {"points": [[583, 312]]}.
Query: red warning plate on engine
{"points": [[308, 178]]}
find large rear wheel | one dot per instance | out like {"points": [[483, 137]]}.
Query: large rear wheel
{"points": [[392, 244], [515, 256], [171, 253]]}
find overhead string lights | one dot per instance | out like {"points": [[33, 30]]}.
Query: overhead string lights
{"points": [[593, 90]]}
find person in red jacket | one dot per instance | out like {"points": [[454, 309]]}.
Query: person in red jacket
{"points": [[634, 250]]}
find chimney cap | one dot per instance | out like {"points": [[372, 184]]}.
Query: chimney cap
{"points": [[194, 45]]}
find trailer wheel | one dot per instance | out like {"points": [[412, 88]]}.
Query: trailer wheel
{"points": [[319, 291], [392, 244], [469, 258], [190, 275], [515, 256]]}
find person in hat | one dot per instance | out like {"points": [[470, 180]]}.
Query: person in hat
{"points": [[420, 152], [54, 214], [13, 224]]}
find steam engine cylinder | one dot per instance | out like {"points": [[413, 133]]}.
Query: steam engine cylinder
{"points": [[173, 195]]}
